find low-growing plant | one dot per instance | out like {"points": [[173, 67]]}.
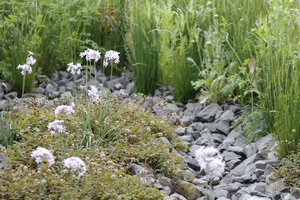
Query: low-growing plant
{"points": [[289, 172], [135, 140]]}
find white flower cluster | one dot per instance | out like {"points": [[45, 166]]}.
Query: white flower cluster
{"points": [[41, 154], [90, 54], [27, 67], [111, 55], [56, 127], [74, 68], [210, 159], [75, 164], [66, 110], [93, 93]]}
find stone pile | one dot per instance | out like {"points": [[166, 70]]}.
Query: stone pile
{"points": [[249, 166]]}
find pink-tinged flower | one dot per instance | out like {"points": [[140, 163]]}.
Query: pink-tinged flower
{"points": [[66, 110], [42, 154], [93, 93], [25, 68], [111, 55], [210, 159], [75, 164], [56, 127], [30, 61], [74, 68], [91, 54]]}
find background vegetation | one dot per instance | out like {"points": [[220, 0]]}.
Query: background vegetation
{"points": [[246, 51]]}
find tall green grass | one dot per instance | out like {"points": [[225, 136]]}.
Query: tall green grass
{"points": [[277, 39], [143, 41]]}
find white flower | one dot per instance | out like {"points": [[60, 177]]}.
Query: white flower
{"points": [[25, 68], [93, 93], [91, 54], [30, 53], [56, 127], [210, 159], [41, 154], [66, 110], [75, 164], [74, 68], [111, 55], [30, 61]]}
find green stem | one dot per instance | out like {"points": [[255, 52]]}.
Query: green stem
{"points": [[23, 88]]}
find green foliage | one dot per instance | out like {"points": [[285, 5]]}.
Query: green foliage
{"points": [[254, 125], [278, 58], [143, 42], [289, 171], [107, 158]]}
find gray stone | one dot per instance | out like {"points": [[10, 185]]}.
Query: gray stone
{"points": [[178, 197], [180, 130], [218, 114], [259, 172], [232, 137], [233, 163], [237, 150], [260, 164], [221, 193], [208, 113], [63, 82], [147, 175], [49, 89], [80, 81], [62, 89], [66, 95], [167, 182], [55, 77], [192, 163], [188, 190], [275, 188], [186, 138], [243, 179], [218, 138], [69, 86], [223, 198], [130, 88], [211, 126], [197, 126], [224, 126], [296, 193], [265, 142], [232, 188], [287, 196], [259, 187], [39, 90], [227, 156], [187, 119], [227, 115], [195, 134], [193, 150], [5, 87], [200, 182], [63, 74], [4, 105], [10, 96], [250, 149]]}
